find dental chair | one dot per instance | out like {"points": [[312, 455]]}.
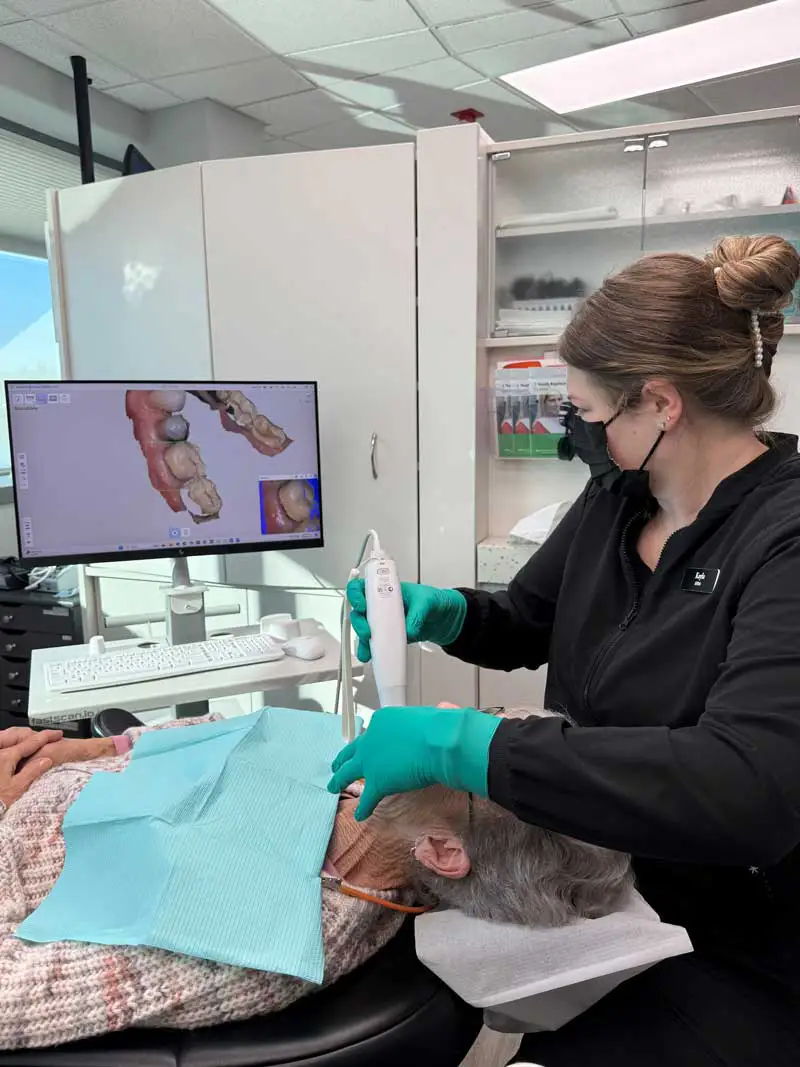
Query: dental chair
{"points": [[392, 1011]]}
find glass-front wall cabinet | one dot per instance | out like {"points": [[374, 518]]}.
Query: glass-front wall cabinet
{"points": [[566, 216], [722, 181]]}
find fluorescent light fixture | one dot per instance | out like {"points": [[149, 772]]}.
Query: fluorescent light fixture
{"points": [[761, 36]]}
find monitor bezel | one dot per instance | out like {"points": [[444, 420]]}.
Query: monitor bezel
{"points": [[160, 553]]}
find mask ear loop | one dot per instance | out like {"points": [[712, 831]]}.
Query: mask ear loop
{"points": [[656, 443], [649, 455]]}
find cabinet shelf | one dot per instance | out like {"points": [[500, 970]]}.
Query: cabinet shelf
{"points": [[689, 219], [539, 340], [524, 341]]}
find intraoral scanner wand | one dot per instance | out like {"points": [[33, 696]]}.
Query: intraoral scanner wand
{"points": [[387, 623]]}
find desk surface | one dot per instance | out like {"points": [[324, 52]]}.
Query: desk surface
{"points": [[46, 706]]}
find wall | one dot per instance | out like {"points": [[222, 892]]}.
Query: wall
{"points": [[42, 99], [200, 130]]}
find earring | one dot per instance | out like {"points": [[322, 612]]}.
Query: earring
{"points": [[663, 424]]}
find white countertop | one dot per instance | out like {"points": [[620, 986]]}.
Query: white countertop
{"points": [[45, 706]]}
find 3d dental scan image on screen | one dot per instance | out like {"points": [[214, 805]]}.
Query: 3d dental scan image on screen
{"points": [[175, 468]]}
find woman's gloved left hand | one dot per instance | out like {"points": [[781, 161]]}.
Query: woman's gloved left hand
{"points": [[411, 748]]}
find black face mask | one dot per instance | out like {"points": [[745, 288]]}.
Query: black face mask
{"points": [[588, 441]]}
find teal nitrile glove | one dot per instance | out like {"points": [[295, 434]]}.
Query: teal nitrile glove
{"points": [[410, 748], [435, 615]]}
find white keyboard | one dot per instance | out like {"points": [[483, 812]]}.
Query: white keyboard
{"points": [[126, 666]]}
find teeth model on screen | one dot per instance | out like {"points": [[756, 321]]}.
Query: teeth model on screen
{"points": [[175, 465], [240, 415]]}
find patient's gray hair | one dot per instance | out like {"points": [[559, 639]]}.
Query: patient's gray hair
{"points": [[524, 874]]}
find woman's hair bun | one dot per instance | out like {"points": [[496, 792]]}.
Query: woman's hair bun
{"points": [[755, 273]]}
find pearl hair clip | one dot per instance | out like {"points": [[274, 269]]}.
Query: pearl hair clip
{"points": [[755, 327], [757, 338]]}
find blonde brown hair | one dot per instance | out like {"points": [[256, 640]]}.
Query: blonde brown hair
{"points": [[688, 320]]}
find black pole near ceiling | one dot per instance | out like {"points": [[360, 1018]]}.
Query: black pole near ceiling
{"points": [[81, 82]]}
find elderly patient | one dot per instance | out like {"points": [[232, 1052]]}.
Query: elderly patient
{"points": [[433, 845]]}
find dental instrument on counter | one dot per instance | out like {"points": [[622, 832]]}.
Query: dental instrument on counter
{"points": [[387, 623]]}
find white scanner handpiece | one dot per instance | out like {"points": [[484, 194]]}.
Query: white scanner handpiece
{"points": [[387, 624]]}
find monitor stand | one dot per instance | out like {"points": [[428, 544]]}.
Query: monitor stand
{"points": [[186, 622]]}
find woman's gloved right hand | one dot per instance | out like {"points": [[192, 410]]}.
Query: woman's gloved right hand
{"points": [[435, 615]]}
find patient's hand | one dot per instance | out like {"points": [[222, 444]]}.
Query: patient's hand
{"points": [[21, 761], [78, 749]]}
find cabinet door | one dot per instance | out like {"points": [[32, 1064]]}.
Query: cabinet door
{"points": [[565, 217], [131, 277], [311, 275]]}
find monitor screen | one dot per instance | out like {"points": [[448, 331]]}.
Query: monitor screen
{"points": [[116, 470]]}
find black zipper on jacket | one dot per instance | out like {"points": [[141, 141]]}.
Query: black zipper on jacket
{"points": [[633, 611]]}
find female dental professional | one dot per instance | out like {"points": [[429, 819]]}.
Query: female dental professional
{"points": [[666, 605]]}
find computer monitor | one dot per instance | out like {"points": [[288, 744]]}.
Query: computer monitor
{"points": [[132, 470], [133, 162]]}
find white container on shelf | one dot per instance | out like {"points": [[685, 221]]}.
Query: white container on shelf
{"points": [[499, 560]]}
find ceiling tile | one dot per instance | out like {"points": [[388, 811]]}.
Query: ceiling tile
{"points": [[144, 96], [7, 15], [421, 105], [54, 50], [392, 89], [155, 39], [365, 94], [440, 12], [443, 73], [761, 90], [658, 107], [366, 129], [367, 58], [670, 17], [511, 57], [34, 8], [505, 115], [277, 147], [302, 111], [243, 83], [291, 25], [500, 29], [639, 7]]}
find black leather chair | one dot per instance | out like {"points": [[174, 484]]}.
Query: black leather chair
{"points": [[390, 1012]]}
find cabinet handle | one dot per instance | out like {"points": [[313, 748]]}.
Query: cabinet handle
{"points": [[10, 646], [7, 618], [12, 675], [373, 459]]}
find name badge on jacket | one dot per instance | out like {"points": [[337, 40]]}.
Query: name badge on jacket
{"points": [[700, 580]]}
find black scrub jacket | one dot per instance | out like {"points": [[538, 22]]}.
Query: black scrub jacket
{"points": [[683, 690]]}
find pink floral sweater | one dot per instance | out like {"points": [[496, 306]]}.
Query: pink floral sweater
{"points": [[54, 993]]}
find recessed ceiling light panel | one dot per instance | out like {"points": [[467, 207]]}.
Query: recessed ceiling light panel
{"points": [[760, 36]]}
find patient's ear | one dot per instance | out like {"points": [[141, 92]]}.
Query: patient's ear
{"points": [[443, 855]]}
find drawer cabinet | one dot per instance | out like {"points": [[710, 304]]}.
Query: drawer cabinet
{"points": [[29, 621]]}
